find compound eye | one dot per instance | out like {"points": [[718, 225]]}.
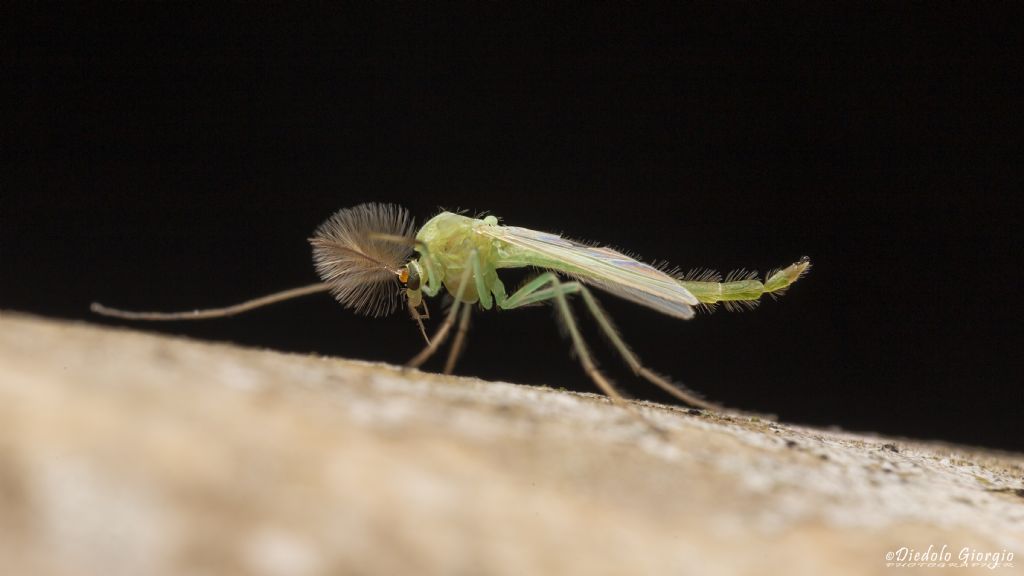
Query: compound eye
{"points": [[411, 278]]}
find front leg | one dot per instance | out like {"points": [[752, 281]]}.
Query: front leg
{"points": [[460, 340], [442, 332]]}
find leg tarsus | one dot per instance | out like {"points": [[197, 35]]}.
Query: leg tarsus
{"points": [[435, 343], [460, 340], [679, 392], [606, 325], [419, 322], [557, 292], [538, 293]]}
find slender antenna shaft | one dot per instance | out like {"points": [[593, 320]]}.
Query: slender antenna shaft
{"points": [[212, 312]]}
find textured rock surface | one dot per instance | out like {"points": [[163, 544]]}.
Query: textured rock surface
{"points": [[127, 453]]}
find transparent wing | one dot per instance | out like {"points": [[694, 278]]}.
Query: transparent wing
{"points": [[601, 267]]}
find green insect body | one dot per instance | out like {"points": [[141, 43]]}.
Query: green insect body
{"points": [[448, 241], [370, 257]]}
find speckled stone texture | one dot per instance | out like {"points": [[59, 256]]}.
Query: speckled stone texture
{"points": [[123, 453]]}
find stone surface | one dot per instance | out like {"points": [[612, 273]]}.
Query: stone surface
{"points": [[128, 453]]}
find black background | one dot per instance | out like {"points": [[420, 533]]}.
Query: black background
{"points": [[172, 159]]}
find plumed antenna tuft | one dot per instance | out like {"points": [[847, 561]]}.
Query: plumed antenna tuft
{"points": [[360, 267]]}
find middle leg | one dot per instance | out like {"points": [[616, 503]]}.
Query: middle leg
{"points": [[538, 293], [557, 291], [676, 390]]}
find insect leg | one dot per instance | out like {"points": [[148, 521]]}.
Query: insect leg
{"points": [[442, 332], [419, 321], [460, 340], [531, 293], [605, 322], [526, 295], [482, 291]]}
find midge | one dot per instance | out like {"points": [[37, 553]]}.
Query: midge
{"points": [[370, 256]]}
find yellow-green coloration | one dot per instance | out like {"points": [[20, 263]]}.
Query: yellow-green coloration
{"points": [[447, 243], [748, 290], [464, 254], [365, 258]]}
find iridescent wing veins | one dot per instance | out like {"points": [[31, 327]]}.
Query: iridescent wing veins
{"points": [[604, 268]]}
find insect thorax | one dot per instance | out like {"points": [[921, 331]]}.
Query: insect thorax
{"points": [[450, 240]]}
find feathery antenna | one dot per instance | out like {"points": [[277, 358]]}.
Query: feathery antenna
{"points": [[355, 252]]}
